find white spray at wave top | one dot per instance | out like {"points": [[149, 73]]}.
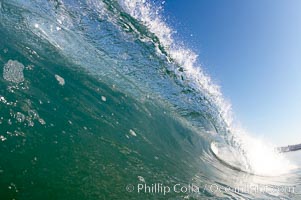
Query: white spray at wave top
{"points": [[184, 57], [261, 157]]}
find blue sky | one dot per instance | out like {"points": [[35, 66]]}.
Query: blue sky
{"points": [[252, 49]]}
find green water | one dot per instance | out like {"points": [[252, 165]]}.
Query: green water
{"points": [[123, 113], [85, 149]]}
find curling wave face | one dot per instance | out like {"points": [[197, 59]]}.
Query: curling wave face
{"points": [[97, 94]]}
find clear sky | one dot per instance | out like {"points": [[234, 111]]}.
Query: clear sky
{"points": [[252, 49]]}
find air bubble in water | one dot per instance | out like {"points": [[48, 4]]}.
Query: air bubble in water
{"points": [[60, 79]]}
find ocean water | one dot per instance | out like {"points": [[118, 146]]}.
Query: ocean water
{"points": [[98, 100]]}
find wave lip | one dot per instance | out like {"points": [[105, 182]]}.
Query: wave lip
{"points": [[184, 60]]}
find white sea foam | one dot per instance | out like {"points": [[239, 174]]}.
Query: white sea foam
{"points": [[13, 71], [263, 157]]}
